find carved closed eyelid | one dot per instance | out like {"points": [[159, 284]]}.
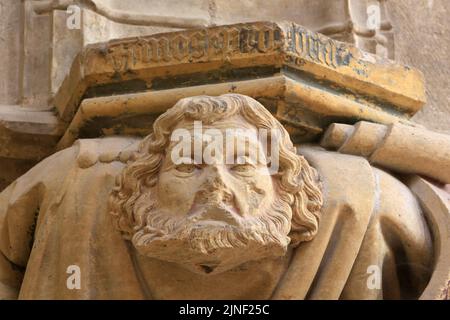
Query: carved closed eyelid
{"points": [[242, 167], [187, 168]]}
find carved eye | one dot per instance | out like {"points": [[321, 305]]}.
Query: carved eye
{"points": [[242, 168], [187, 168]]}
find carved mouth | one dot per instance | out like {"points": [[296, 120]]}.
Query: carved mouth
{"points": [[219, 215]]}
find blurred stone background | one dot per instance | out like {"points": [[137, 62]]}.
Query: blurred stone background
{"points": [[422, 40]]}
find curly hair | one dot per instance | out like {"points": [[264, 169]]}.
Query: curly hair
{"points": [[297, 181]]}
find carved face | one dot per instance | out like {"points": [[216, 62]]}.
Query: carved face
{"points": [[217, 214], [219, 207], [213, 189]]}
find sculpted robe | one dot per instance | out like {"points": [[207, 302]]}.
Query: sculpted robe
{"points": [[55, 216]]}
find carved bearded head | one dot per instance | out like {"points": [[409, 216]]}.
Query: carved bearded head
{"points": [[211, 216]]}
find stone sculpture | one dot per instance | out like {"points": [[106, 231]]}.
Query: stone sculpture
{"points": [[203, 155], [137, 225]]}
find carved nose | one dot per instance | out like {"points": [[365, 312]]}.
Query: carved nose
{"points": [[216, 188]]}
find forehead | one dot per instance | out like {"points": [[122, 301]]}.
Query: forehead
{"points": [[234, 128], [234, 132]]}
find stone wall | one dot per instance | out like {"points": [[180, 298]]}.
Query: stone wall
{"points": [[422, 40]]}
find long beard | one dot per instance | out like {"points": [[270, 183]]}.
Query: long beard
{"points": [[208, 246]]}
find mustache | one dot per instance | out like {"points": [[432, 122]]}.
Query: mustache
{"points": [[218, 216], [220, 213]]}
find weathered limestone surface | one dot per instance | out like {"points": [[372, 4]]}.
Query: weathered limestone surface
{"points": [[171, 236], [307, 79], [401, 148], [10, 49], [109, 94], [421, 41], [39, 49]]}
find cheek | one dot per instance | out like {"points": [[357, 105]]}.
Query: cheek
{"points": [[258, 192], [264, 184], [176, 194]]}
